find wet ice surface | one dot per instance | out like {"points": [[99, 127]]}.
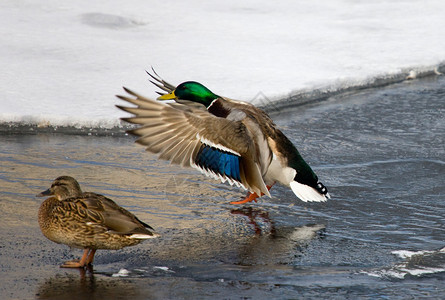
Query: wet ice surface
{"points": [[380, 153]]}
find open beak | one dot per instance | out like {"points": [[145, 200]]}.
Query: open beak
{"points": [[168, 96], [45, 193]]}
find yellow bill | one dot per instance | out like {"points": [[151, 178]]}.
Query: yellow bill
{"points": [[168, 96]]}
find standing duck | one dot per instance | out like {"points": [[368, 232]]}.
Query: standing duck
{"points": [[226, 139], [88, 221]]}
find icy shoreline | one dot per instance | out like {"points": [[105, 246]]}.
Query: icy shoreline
{"points": [[115, 127], [64, 62]]}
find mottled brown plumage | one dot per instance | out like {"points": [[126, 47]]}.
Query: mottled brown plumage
{"points": [[88, 221]]}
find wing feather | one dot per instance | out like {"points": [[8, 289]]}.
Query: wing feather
{"points": [[163, 85], [177, 132]]}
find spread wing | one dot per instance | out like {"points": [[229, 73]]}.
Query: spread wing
{"points": [[218, 147], [160, 83]]}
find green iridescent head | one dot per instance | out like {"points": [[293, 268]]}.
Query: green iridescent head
{"points": [[192, 91]]}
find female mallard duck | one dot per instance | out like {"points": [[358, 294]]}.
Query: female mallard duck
{"points": [[223, 138], [88, 221]]}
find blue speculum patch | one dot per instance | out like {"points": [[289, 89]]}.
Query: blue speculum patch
{"points": [[219, 161]]}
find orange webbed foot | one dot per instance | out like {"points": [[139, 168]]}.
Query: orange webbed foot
{"points": [[72, 264], [251, 197], [87, 259]]}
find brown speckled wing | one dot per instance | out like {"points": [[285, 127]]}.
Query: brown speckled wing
{"points": [[177, 132]]}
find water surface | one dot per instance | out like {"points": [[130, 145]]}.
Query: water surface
{"points": [[380, 153]]}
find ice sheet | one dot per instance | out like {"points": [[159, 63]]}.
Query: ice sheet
{"points": [[62, 63]]}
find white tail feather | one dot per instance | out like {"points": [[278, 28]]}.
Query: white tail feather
{"points": [[307, 193], [141, 236]]}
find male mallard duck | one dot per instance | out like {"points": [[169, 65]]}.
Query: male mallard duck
{"points": [[88, 221], [223, 138]]}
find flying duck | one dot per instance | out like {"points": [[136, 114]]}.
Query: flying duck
{"points": [[225, 139]]}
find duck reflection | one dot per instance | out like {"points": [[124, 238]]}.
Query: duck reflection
{"points": [[71, 286], [272, 244], [255, 216], [282, 246]]}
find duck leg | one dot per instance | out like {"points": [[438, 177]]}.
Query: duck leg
{"points": [[79, 263], [251, 196], [91, 257]]}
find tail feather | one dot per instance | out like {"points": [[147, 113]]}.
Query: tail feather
{"points": [[307, 193], [141, 236]]}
